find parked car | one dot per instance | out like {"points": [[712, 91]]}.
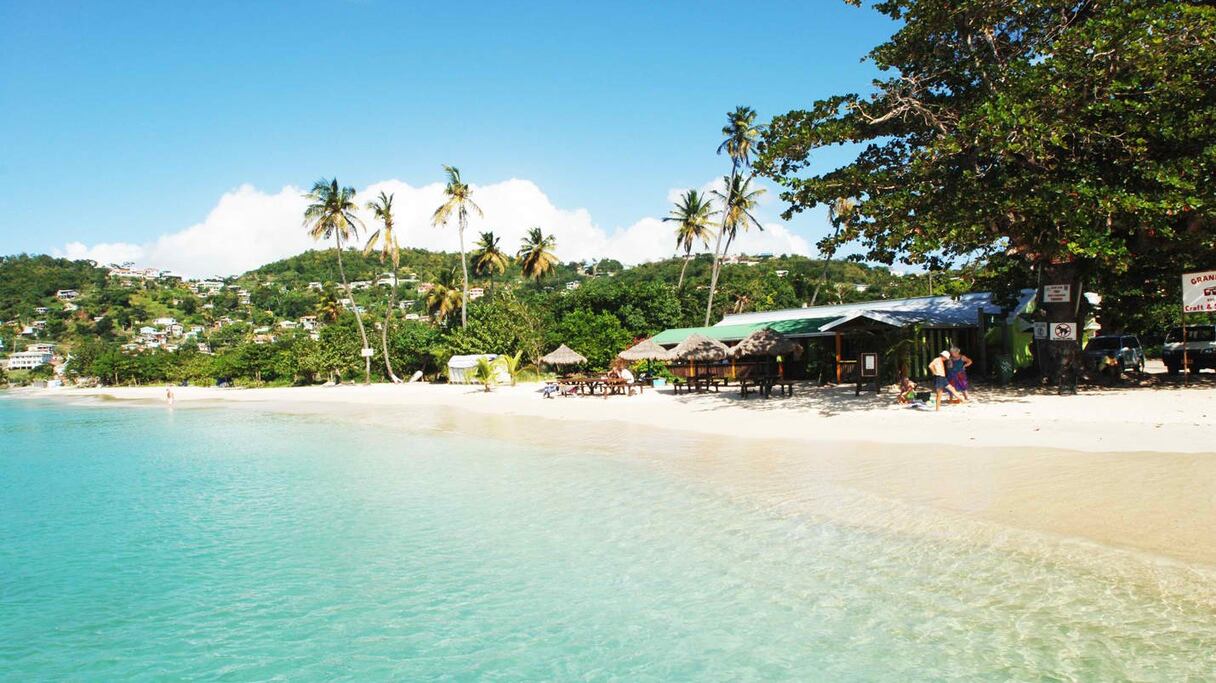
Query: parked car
{"points": [[1117, 350], [1200, 348]]}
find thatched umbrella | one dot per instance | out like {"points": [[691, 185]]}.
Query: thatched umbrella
{"points": [[563, 355], [767, 342], [770, 343], [698, 347], [645, 350]]}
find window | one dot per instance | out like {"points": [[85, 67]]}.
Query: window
{"points": [[1194, 333]]}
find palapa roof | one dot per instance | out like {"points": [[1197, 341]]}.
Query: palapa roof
{"points": [[645, 350], [563, 355], [698, 347], [767, 342]]}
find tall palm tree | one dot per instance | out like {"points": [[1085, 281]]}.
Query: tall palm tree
{"points": [[489, 259], [536, 256], [382, 208], [742, 134], [444, 297], [693, 214], [737, 204], [839, 213], [332, 214], [458, 200]]}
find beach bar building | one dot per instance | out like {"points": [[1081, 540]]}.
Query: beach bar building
{"points": [[836, 335]]}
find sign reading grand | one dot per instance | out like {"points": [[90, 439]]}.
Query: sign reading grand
{"points": [[1199, 292]]}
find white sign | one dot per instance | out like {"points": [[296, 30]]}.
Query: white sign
{"points": [[1063, 332], [1057, 294], [367, 353], [1199, 292], [1040, 330]]}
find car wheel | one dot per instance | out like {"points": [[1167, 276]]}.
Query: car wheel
{"points": [[1172, 369]]}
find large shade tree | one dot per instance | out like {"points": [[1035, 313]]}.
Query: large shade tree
{"points": [[458, 202], [693, 215], [1077, 136], [331, 213]]}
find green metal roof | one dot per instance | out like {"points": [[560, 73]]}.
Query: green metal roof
{"points": [[730, 333], [721, 333]]}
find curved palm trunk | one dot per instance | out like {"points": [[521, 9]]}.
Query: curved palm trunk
{"points": [[713, 279], [683, 268], [464, 281], [350, 294], [388, 318], [823, 279]]}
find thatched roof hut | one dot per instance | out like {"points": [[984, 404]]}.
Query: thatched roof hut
{"points": [[767, 342], [563, 355], [698, 347], [645, 350]]}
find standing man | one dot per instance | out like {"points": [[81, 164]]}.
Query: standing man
{"points": [[937, 368]]}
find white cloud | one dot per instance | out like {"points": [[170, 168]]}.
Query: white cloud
{"points": [[248, 228]]}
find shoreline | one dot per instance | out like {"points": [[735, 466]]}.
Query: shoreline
{"points": [[1121, 496], [1109, 421]]}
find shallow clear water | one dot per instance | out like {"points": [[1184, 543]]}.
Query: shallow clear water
{"points": [[139, 543]]}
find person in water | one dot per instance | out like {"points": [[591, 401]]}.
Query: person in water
{"points": [[956, 372]]}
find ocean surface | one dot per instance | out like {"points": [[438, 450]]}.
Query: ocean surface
{"points": [[140, 543]]}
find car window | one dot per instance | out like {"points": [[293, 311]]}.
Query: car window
{"points": [[1131, 342], [1102, 344], [1201, 334]]}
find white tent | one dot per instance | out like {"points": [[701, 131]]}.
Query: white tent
{"points": [[460, 368]]}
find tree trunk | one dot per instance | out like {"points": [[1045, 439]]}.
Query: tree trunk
{"points": [[682, 269], [1063, 358], [464, 282], [713, 278], [388, 317], [823, 279], [350, 294]]}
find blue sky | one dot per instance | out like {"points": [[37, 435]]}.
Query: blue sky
{"points": [[122, 122]]}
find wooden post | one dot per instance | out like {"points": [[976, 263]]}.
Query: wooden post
{"points": [[983, 350], [1186, 373], [839, 339]]}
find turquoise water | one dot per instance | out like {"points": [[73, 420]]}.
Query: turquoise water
{"points": [[139, 543]]}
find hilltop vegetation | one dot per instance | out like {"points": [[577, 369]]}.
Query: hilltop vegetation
{"points": [[250, 329]]}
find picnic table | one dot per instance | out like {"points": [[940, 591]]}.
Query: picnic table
{"points": [[701, 383], [604, 386], [765, 385]]}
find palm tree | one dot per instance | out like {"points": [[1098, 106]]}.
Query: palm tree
{"points": [[742, 133], [328, 309], [488, 258], [839, 213], [536, 256], [332, 214], [458, 201], [444, 297], [738, 202], [692, 214], [382, 208]]}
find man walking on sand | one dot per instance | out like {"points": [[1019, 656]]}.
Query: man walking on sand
{"points": [[937, 368]]}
